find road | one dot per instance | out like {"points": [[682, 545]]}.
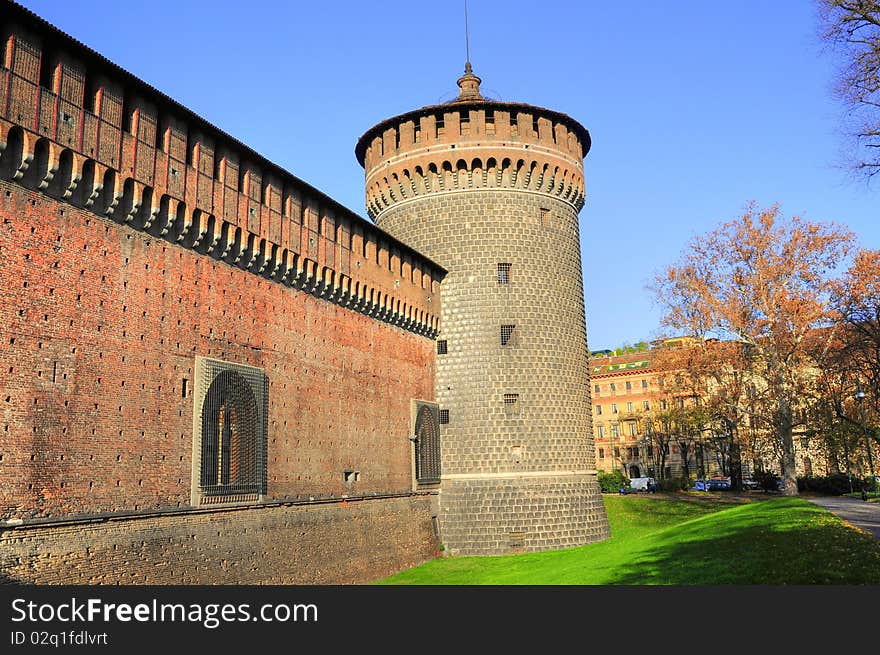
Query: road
{"points": [[854, 510]]}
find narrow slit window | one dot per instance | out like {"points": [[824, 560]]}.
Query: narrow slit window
{"points": [[506, 334], [442, 347], [444, 416], [504, 273]]}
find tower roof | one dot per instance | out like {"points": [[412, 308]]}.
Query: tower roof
{"points": [[469, 85]]}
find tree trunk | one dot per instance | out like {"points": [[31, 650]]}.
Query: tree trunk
{"points": [[736, 468], [784, 434]]}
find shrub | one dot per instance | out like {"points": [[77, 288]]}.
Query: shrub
{"points": [[835, 484], [673, 484], [610, 483], [767, 480]]}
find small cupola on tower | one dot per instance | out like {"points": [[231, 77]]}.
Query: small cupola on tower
{"points": [[469, 85]]}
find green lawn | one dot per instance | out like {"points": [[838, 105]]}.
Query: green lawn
{"points": [[685, 539]]}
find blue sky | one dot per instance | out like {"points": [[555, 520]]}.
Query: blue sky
{"points": [[695, 108]]}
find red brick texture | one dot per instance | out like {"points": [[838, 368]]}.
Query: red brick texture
{"points": [[134, 237], [99, 328]]}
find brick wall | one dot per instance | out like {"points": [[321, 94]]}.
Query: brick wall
{"points": [[99, 329], [349, 542]]}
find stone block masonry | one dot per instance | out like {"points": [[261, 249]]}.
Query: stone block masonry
{"points": [[351, 542]]}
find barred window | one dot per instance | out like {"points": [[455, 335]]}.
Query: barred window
{"points": [[427, 441], [503, 273], [444, 416], [232, 434], [511, 403], [441, 347], [506, 334]]}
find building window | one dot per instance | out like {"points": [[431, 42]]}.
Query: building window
{"points": [[663, 404], [644, 384], [506, 334], [650, 451], [601, 453], [615, 430], [632, 429], [511, 404], [503, 273], [598, 410], [612, 387], [617, 453], [629, 406], [600, 432], [427, 443], [232, 407], [596, 388], [646, 405], [545, 217], [629, 385], [614, 408], [441, 347], [444, 416]]}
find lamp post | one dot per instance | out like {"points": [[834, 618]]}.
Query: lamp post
{"points": [[846, 457], [860, 398]]}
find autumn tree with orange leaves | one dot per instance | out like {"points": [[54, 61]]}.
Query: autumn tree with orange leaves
{"points": [[764, 282], [853, 361]]}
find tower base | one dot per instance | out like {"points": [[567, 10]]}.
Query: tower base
{"points": [[494, 515]]}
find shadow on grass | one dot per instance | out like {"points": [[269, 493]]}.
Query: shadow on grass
{"points": [[779, 542]]}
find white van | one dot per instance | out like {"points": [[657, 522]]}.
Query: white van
{"points": [[642, 484]]}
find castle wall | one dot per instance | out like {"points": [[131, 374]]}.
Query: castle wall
{"points": [[134, 238], [350, 542]]}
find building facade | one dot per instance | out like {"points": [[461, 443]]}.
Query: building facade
{"points": [[637, 405]]}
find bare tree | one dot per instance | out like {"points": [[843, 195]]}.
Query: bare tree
{"points": [[852, 29]]}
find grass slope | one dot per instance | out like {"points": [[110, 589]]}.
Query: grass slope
{"points": [[685, 540]]}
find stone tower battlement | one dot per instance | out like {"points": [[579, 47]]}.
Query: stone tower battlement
{"points": [[491, 191], [473, 144]]}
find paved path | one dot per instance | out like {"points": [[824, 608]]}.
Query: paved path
{"points": [[854, 510]]}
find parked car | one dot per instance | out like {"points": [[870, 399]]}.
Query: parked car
{"points": [[750, 484], [712, 484], [719, 483]]}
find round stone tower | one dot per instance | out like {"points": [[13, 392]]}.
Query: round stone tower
{"points": [[491, 191]]}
